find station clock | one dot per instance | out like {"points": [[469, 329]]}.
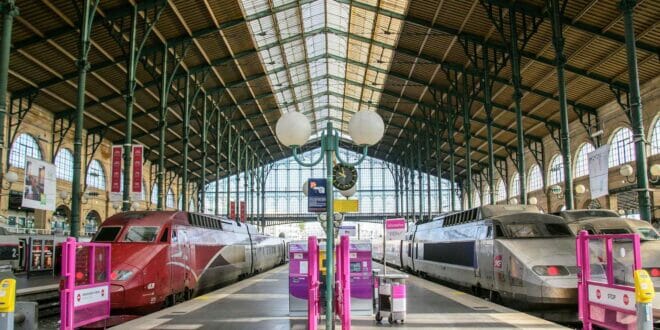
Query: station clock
{"points": [[344, 176]]}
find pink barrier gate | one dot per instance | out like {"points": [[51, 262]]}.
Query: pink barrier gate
{"points": [[603, 301], [313, 284], [85, 297], [343, 283]]}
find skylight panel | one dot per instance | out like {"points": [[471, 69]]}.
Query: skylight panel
{"points": [[289, 23], [318, 68], [337, 45], [336, 68], [271, 58], [313, 15], [279, 3], [338, 14], [294, 51], [315, 45], [336, 86], [302, 91], [252, 7], [262, 29]]}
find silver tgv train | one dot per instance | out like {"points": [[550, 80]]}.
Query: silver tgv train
{"points": [[609, 222], [512, 253]]}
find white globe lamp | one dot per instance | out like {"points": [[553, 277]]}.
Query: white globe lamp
{"points": [[305, 187], [655, 170], [513, 201], [533, 201], [580, 189], [293, 129], [349, 192], [11, 177], [366, 128], [626, 170]]}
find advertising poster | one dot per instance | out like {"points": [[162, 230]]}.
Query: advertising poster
{"points": [[40, 185], [115, 174], [316, 198], [242, 212], [136, 180], [232, 210], [598, 171], [395, 229]]}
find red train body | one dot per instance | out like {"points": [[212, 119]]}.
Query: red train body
{"points": [[159, 258]]}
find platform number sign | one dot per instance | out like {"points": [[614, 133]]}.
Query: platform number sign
{"points": [[316, 196]]}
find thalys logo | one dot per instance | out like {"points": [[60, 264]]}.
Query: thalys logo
{"points": [[498, 261]]}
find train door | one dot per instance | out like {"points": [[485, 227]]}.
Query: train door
{"points": [[251, 251], [179, 260], [484, 255]]}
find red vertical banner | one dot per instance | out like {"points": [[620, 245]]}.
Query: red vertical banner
{"points": [[136, 180], [115, 173], [232, 210], [242, 206]]}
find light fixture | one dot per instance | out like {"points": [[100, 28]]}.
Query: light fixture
{"points": [[135, 206], [293, 129], [580, 189], [513, 201], [628, 172], [10, 178], [533, 201], [349, 192], [366, 128], [116, 205], [654, 172], [305, 187], [64, 195]]}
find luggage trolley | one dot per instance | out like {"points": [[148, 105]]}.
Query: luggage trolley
{"points": [[391, 297]]}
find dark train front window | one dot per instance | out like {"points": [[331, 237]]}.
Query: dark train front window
{"points": [[141, 234], [535, 230], [107, 234]]}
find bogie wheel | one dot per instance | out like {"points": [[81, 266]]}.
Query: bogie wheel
{"points": [[379, 317], [390, 319]]}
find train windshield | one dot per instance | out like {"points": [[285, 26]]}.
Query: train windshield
{"points": [[107, 234], [647, 234], [141, 234], [535, 230]]}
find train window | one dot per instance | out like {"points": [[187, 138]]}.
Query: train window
{"points": [[524, 230], [107, 234], [614, 231], [489, 232], [164, 237], [558, 229], [174, 236], [647, 234], [498, 231], [141, 234]]}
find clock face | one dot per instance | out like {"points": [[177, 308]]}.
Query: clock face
{"points": [[344, 177]]}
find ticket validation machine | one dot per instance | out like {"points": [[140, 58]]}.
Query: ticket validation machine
{"points": [[298, 273], [361, 278]]}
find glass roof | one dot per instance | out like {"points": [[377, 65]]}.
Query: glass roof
{"points": [[326, 58]]}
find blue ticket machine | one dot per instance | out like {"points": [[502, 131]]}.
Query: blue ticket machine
{"points": [[298, 273], [361, 278]]}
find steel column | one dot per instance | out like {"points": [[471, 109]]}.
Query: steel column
{"points": [[218, 147], [186, 132], [488, 107], [130, 94], [330, 241], [205, 132], [83, 66], [438, 163], [517, 96], [420, 180], [9, 11], [229, 147], [238, 176], [162, 127], [428, 175], [560, 59], [636, 115], [452, 161], [467, 133]]}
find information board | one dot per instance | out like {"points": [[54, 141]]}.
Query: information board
{"points": [[395, 229], [348, 230], [598, 171], [316, 195]]}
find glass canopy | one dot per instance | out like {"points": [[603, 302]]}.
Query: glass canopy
{"points": [[326, 58]]}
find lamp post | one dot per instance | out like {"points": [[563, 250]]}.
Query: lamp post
{"points": [[293, 129]]}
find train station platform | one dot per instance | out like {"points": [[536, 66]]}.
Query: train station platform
{"points": [[261, 302]]}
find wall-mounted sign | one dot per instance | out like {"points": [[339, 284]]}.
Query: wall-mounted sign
{"points": [[242, 210], [232, 210], [316, 196], [115, 174]]}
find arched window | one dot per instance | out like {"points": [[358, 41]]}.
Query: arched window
{"points": [[582, 160], [191, 205], [655, 138], [476, 199], [515, 185], [154, 194], [621, 147], [556, 173], [95, 175], [24, 146], [169, 200], [535, 181], [501, 191], [64, 165]]}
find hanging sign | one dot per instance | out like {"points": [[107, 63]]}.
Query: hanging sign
{"points": [[115, 174], [345, 205], [348, 230], [242, 210], [232, 210], [40, 185], [598, 171], [395, 229], [316, 195], [136, 180]]}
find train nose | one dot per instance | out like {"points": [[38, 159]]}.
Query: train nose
{"points": [[116, 296], [560, 291]]}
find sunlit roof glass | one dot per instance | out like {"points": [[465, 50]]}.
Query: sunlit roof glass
{"points": [[325, 58]]}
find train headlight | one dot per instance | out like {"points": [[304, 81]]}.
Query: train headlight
{"points": [[550, 270], [121, 275], [654, 272]]}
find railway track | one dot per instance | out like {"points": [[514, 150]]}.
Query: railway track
{"points": [[47, 297]]}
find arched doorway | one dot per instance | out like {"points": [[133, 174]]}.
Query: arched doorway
{"points": [[92, 222], [61, 220]]}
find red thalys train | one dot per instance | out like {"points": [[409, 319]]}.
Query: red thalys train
{"points": [[159, 258]]}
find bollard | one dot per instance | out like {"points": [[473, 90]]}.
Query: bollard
{"points": [[7, 303], [644, 293]]}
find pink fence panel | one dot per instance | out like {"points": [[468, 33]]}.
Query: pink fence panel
{"points": [[85, 297], [313, 309]]}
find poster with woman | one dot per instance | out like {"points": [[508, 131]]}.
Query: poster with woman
{"points": [[39, 191]]}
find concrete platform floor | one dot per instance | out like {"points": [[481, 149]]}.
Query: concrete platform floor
{"points": [[261, 302]]}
